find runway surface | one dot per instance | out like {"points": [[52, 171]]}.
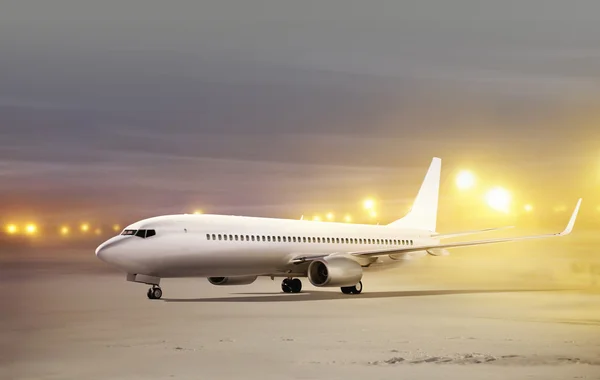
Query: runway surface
{"points": [[82, 321]]}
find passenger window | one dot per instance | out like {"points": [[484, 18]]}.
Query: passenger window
{"points": [[220, 236], [230, 237], [224, 237], [214, 237], [207, 236], [279, 239], [242, 237], [236, 237]]}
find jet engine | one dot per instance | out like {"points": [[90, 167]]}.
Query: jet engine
{"points": [[334, 272], [236, 280]]}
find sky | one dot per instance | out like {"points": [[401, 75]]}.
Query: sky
{"points": [[132, 108]]}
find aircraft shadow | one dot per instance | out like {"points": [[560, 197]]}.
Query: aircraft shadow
{"points": [[316, 295]]}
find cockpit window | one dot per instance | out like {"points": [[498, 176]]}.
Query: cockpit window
{"points": [[139, 233]]}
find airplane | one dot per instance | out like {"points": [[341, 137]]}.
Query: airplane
{"points": [[236, 250]]}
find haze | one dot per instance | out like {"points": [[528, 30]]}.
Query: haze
{"points": [[125, 109]]}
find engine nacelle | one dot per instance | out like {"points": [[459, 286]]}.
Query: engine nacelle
{"points": [[236, 280], [334, 272]]}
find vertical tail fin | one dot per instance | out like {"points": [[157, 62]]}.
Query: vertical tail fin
{"points": [[423, 214]]}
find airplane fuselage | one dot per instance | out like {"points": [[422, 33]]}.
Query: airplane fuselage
{"points": [[218, 245]]}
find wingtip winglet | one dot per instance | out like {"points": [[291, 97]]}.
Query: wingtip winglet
{"points": [[571, 224]]}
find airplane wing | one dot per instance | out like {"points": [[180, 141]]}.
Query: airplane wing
{"points": [[432, 249], [393, 251], [473, 232]]}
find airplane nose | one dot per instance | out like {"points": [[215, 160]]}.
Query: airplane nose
{"points": [[106, 249], [101, 251]]}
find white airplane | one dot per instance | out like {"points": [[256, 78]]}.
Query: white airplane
{"points": [[235, 250]]}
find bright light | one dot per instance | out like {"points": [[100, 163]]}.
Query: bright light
{"points": [[465, 180], [528, 208], [85, 227], [12, 229], [347, 219], [31, 229], [198, 212], [373, 214], [116, 228], [498, 199], [64, 230], [317, 218], [368, 204], [329, 216]]}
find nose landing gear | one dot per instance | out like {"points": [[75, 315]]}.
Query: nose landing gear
{"points": [[291, 285], [154, 293]]}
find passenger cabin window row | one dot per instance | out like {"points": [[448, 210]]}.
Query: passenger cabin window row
{"points": [[139, 233], [307, 239]]}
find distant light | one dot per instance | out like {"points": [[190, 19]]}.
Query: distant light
{"points": [[373, 214], [197, 212], [368, 204], [97, 231], [348, 219], [498, 199], [330, 216], [528, 208], [465, 180], [85, 227], [116, 228], [64, 230], [31, 229], [317, 218], [12, 229]]}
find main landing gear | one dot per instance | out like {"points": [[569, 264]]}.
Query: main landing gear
{"points": [[154, 293], [356, 289], [291, 285]]}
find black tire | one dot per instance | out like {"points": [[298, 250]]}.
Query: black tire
{"points": [[286, 286], [156, 293], [357, 289], [346, 289], [150, 294], [296, 285]]}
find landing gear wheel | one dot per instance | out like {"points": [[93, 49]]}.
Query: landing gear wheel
{"points": [[154, 293], [296, 285], [291, 285], [356, 289], [286, 285]]}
